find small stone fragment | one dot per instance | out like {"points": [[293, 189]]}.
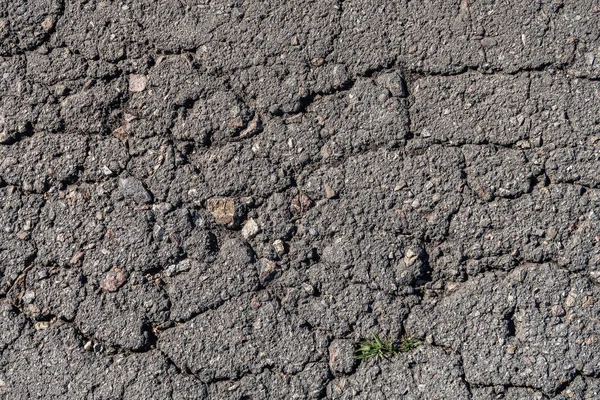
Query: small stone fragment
{"points": [[60, 90], [340, 356], [394, 82], [227, 211], [158, 232], [137, 83], [76, 257], [571, 299], [107, 171], [300, 204], [589, 301], [255, 303], [176, 269], [254, 127], [484, 193], [279, 247], [410, 257], [162, 208], [310, 289], [329, 192], [48, 23], [134, 189], [28, 297], [247, 201], [558, 311], [121, 133], [115, 278], [5, 136], [488, 42], [129, 117], [236, 123], [23, 235], [40, 326], [250, 229], [326, 151], [88, 346], [268, 270], [317, 62]]}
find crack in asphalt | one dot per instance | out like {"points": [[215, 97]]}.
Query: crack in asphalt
{"points": [[444, 157]]}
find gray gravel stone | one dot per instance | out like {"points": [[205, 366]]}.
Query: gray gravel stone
{"points": [[133, 188]]}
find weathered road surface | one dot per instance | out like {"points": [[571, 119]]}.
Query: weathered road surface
{"points": [[220, 199]]}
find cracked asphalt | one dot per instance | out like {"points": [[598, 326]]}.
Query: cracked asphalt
{"points": [[219, 199]]}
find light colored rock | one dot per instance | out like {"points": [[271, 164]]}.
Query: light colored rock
{"points": [[5, 137], [40, 326], [254, 127], [329, 192], [410, 257], [226, 211], [250, 229], [114, 279], [48, 23], [279, 246], [137, 83]]}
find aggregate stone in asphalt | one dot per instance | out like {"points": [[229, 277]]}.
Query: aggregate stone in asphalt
{"points": [[223, 199]]}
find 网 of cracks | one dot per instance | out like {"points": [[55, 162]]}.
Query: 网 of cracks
{"points": [[112, 351], [157, 330]]}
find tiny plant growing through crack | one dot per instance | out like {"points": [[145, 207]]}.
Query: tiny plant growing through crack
{"points": [[384, 348], [376, 347], [408, 343]]}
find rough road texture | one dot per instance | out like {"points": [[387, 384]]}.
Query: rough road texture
{"points": [[219, 199]]}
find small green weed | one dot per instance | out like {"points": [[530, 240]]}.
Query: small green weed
{"points": [[384, 348], [376, 347], [408, 343]]}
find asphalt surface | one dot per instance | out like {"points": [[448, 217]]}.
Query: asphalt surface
{"points": [[221, 199]]}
